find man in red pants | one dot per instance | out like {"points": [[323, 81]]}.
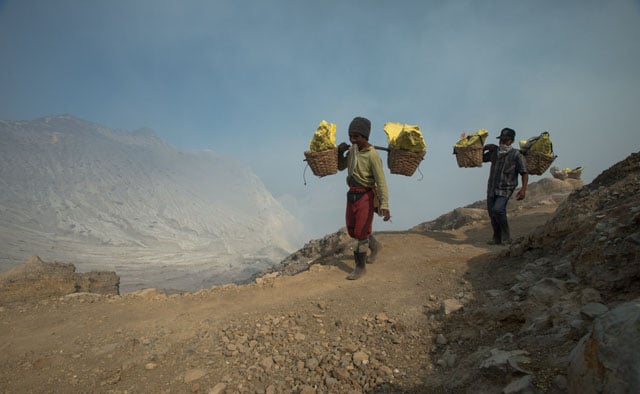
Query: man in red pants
{"points": [[367, 194]]}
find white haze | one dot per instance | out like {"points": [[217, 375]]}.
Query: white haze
{"points": [[128, 202], [251, 81]]}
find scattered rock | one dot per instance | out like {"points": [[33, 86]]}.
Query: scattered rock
{"points": [[193, 375], [594, 309], [503, 361], [451, 305]]}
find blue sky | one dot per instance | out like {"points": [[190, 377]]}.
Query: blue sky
{"points": [[252, 79]]}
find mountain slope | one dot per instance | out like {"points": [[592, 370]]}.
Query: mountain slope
{"points": [[99, 198]]}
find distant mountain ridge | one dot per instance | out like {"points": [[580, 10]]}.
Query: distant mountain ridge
{"points": [[83, 193]]}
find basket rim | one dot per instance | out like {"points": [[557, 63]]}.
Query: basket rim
{"points": [[325, 151]]}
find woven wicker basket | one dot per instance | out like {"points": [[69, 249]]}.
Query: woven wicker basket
{"points": [[538, 163], [323, 163], [404, 162], [469, 156], [576, 173]]}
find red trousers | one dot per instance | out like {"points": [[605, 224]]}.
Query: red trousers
{"points": [[359, 216]]}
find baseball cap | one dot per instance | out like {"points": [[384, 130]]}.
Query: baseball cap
{"points": [[507, 134]]}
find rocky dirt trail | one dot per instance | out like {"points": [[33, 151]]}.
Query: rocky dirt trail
{"points": [[312, 332]]}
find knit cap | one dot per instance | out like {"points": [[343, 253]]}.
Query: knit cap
{"points": [[360, 126]]}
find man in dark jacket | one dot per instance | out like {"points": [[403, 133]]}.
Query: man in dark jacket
{"points": [[506, 164]]}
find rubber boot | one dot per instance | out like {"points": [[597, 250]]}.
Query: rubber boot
{"points": [[361, 262], [375, 246]]}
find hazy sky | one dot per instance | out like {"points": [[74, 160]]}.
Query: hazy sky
{"points": [[252, 79]]}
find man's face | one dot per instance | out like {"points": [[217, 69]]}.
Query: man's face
{"points": [[506, 141], [356, 139]]}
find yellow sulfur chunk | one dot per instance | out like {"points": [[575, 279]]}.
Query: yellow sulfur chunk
{"points": [[324, 138], [477, 138], [392, 130], [404, 136], [540, 144]]}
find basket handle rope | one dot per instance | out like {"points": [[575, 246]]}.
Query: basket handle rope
{"points": [[304, 178]]}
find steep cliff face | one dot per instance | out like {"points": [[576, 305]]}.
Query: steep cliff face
{"points": [[76, 191]]}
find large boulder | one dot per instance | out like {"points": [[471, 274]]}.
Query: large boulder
{"points": [[545, 192], [37, 279], [455, 219], [607, 360]]}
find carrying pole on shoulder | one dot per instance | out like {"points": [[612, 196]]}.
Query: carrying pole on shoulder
{"points": [[381, 148]]}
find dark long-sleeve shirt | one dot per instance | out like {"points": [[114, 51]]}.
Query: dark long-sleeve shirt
{"points": [[505, 168]]}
